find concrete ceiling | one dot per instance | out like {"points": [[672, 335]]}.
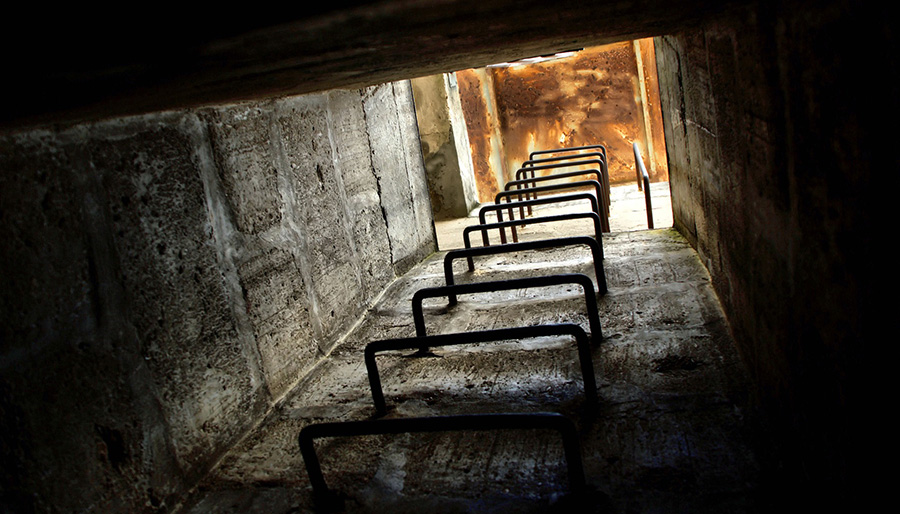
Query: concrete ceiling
{"points": [[76, 65]]}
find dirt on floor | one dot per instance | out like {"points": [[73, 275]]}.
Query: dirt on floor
{"points": [[671, 430]]}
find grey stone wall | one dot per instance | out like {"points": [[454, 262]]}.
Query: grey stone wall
{"points": [[774, 142], [168, 278], [445, 146]]}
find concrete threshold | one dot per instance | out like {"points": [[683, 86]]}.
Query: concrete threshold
{"points": [[671, 432]]}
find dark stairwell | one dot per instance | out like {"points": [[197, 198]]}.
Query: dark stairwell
{"points": [[198, 228]]}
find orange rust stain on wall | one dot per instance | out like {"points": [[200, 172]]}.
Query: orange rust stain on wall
{"points": [[480, 130], [582, 100], [660, 168], [593, 97]]}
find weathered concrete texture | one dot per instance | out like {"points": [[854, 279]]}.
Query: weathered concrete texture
{"points": [[774, 142], [445, 146], [672, 432], [176, 291], [109, 448], [167, 278], [404, 195]]}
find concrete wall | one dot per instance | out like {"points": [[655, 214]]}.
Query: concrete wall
{"points": [[774, 138], [445, 145], [167, 278]]}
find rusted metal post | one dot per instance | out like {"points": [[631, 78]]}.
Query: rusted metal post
{"points": [[644, 178]]}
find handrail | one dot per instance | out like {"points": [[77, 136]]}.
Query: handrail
{"points": [[327, 499], [642, 176], [550, 199], [483, 336], [541, 244], [540, 219]]}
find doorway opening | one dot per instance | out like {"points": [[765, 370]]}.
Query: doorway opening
{"points": [[478, 126]]}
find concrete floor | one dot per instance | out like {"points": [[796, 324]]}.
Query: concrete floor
{"points": [[628, 212], [672, 433]]}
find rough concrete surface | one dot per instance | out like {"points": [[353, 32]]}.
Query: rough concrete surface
{"points": [[672, 432], [168, 277], [445, 145]]}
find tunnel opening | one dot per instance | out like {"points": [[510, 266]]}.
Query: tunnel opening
{"points": [[172, 274], [604, 95]]}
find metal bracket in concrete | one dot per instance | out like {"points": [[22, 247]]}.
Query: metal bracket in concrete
{"points": [[329, 500], [532, 182], [532, 164], [579, 156], [468, 253], [598, 188], [482, 336], [540, 219], [482, 212], [590, 299], [569, 149]]}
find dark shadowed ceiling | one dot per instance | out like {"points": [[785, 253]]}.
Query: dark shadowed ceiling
{"points": [[77, 64]]}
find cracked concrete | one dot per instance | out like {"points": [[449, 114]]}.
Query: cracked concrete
{"points": [[673, 431]]}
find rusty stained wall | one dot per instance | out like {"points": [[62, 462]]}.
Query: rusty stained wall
{"points": [[593, 97], [476, 94], [654, 147]]}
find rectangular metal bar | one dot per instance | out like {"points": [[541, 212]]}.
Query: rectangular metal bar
{"points": [[411, 343], [555, 176], [553, 199], [552, 187], [590, 299], [541, 219], [527, 186], [568, 149], [520, 174], [540, 244], [533, 162], [327, 499], [600, 162]]}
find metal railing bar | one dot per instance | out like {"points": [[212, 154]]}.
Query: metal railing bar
{"points": [[533, 162], [451, 291], [541, 244], [532, 182], [327, 499], [566, 149], [642, 176], [412, 343], [598, 188], [521, 172], [553, 199], [541, 219]]}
